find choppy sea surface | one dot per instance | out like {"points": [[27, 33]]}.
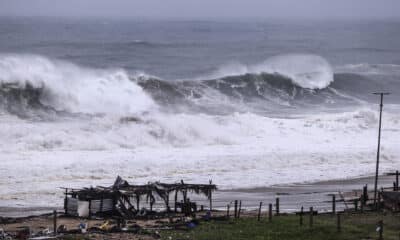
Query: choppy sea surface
{"points": [[244, 103]]}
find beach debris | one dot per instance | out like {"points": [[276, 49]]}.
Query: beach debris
{"points": [[4, 235], [83, 227], [105, 226]]}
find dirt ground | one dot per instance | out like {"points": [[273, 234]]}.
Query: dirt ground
{"points": [[145, 229], [39, 225]]}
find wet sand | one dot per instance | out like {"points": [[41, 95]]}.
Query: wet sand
{"points": [[292, 197]]}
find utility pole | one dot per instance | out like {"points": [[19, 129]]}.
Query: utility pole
{"points": [[379, 144]]}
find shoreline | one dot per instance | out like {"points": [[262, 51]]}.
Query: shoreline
{"points": [[292, 196]]}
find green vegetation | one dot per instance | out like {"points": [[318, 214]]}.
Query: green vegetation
{"points": [[353, 226]]}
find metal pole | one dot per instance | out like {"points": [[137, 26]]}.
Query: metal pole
{"points": [[379, 144]]}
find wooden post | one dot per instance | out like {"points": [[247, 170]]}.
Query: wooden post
{"points": [[211, 200], [277, 206], [227, 210], [333, 204], [301, 215], [259, 212], [55, 222], [240, 208], [201, 208], [175, 199], [236, 208], [210, 196], [380, 225], [270, 212], [137, 202], [397, 180], [66, 202], [394, 186], [311, 217], [365, 194], [338, 223], [184, 195]]}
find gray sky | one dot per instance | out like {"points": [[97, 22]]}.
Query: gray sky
{"points": [[204, 9]]}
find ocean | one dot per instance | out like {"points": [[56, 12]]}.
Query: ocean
{"points": [[245, 103]]}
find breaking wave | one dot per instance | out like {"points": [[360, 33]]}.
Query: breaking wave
{"points": [[31, 83], [34, 81], [304, 70]]}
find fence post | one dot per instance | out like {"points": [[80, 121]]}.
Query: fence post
{"points": [[236, 208], [210, 196], [338, 223], [277, 206], [333, 204], [66, 201], [365, 194], [301, 216], [259, 212], [227, 210], [55, 222], [270, 212], [240, 208], [397, 180], [311, 217]]}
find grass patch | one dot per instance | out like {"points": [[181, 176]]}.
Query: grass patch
{"points": [[354, 226]]}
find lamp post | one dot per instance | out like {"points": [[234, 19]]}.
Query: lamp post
{"points": [[379, 143]]}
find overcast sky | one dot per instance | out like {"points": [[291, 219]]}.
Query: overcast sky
{"points": [[204, 9]]}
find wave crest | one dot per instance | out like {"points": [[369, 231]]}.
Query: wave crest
{"points": [[304, 70], [63, 86]]}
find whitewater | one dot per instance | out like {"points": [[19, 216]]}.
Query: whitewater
{"points": [[68, 125], [248, 104]]}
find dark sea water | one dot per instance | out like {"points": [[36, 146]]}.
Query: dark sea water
{"points": [[174, 49]]}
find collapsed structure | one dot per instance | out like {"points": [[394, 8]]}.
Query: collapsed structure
{"points": [[118, 199]]}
